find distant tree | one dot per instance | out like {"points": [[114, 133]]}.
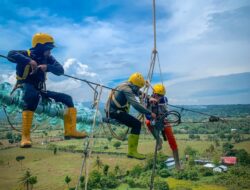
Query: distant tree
{"points": [[243, 157], [216, 159], [217, 142], [19, 159], [105, 147], [9, 135], [98, 163], [227, 147], [191, 136], [160, 184], [94, 180], [229, 137], [67, 180], [11, 141], [105, 169], [109, 138], [117, 170], [82, 182], [18, 137], [117, 144], [55, 150], [27, 180], [190, 151], [109, 182], [222, 136], [33, 181], [198, 137], [237, 137]]}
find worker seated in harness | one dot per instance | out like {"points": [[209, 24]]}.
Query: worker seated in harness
{"points": [[118, 105], [31, 68], [157, 103]]}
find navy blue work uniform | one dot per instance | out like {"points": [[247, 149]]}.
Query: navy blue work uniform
{"points": [[33, 85]]}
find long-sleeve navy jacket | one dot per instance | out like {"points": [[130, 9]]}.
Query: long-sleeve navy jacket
{"points": [[22, 59]]}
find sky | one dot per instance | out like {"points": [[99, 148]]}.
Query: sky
{"points": [[203, 46]]}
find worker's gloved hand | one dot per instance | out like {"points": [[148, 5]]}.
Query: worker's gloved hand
{"points": [[33, 65], [42, 67], [153, 115]]}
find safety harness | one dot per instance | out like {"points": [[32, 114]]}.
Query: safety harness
{"points": [[120, 108], [19, 79]]}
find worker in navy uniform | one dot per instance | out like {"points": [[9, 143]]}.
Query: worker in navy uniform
{"points": [[118, 106], [31, 68]]}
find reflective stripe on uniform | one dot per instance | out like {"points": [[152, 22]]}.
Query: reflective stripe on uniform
{"points": [[25, 73], [26, 70]]}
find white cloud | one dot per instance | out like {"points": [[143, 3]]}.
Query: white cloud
{"points": [[75, 67], [9, 77], [194, 41]]}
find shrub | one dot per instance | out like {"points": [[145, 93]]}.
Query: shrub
{"points": [[109, 182], [160, 162], [141, 182], [105, 169], [94, 180], [136, 171], [190, 151], [106, 147], [117, 144], [193, 175], [160, 184], [164, 173], [180, 174], [206, 172]]}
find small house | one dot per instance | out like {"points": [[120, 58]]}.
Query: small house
{"points": [[220, 169], [170, 163], [209, 165], [230, 160]]}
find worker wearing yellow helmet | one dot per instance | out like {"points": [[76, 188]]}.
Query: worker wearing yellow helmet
{"points": [[157, 103], [31, 68], [118, 105]]}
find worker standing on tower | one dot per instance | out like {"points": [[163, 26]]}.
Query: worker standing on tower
{"points": [[31, 68]]}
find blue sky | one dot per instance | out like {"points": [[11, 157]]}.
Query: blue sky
{"points": [[202, 44]]}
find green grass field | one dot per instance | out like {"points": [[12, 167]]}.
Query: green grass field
{"points": [[51, 169]]}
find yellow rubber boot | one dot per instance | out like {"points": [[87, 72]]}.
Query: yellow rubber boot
{"points": [[27, 117], [70, 125], [132, 147]]}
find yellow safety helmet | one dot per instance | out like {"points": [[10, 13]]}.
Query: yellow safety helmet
{"points": [[42, 38], [137, 80], [159, 89]]}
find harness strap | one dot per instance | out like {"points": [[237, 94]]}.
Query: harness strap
{"points": [[25, 73], [26, 69], [117, 104]]}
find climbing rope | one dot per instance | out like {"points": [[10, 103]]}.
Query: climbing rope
{"points": [[11, 125], [87, 150]]}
